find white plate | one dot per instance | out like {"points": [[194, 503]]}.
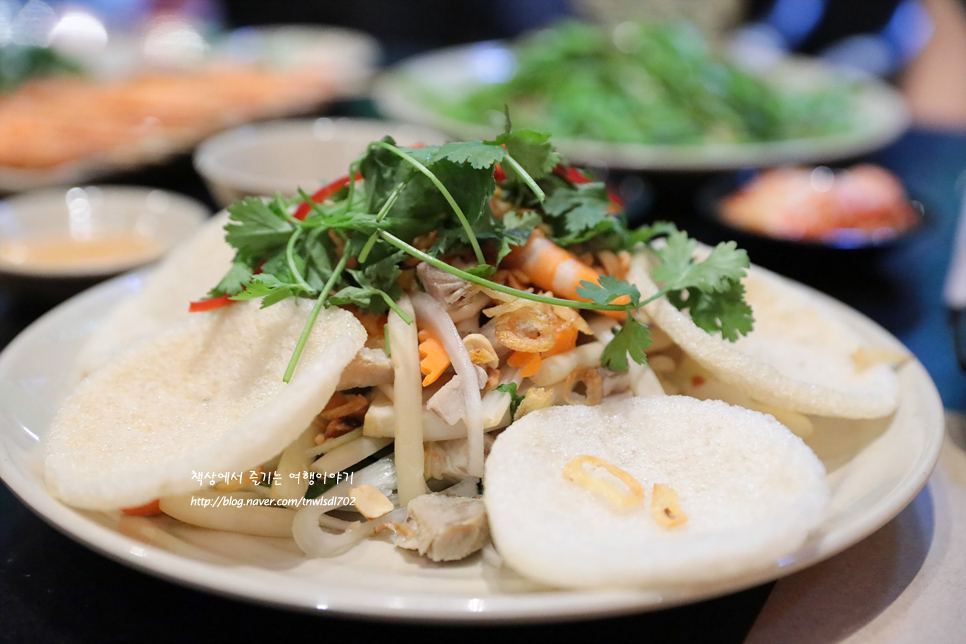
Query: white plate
{"points": [[875, 469], [880, 115], [284, 155]]}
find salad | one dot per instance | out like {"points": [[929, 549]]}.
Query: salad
{"points": [[491, 282], [647, 84]]}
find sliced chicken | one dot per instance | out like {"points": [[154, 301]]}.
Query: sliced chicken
{"points": [[449, 402], [449, 460], [460, 298], [369, 368], [443, 527]]}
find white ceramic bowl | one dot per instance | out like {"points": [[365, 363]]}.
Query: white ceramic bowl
{"points": [[87, 233], [281, 156]]}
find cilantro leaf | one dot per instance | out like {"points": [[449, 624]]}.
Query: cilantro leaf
{"points": [[419, 206], [645, 234], [609, 289], [375, 282], [256, 226], [532, 150], [678, 270], [361, 296], [235, 279], [580, 208], [318, 249], [488, 228], [631, 340], [269, 287], [515, 398], [517, 228], [724, 312], [711, 290], [476, 153]]}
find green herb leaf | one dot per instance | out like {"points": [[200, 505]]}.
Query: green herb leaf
{"points": [[645, 234], [478, 154], [609, 289], [579, 209], [532, 150], [724, 312], [515, 398], [632, 340], [375, 282], [235, 279], [678, 270], [256, 226], [269, 287]]}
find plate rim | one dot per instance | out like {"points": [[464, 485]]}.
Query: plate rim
{"points": [[553, 605]]}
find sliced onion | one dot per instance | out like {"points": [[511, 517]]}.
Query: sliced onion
{"points": [[432, 315], [306, 530], [320, 535], [407, 403]]}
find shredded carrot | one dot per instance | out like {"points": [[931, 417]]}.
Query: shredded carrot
{"points": [[146, 510], [565, 339], [529, 363], [433, 357]]}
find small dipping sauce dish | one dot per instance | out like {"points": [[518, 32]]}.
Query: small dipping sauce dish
{"points": [[60, 240]]}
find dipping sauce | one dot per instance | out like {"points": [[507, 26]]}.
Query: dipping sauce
{"points": [[62, 254]]}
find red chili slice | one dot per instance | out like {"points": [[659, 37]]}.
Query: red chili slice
{"points": [[322, 194], [210, 304], [575, 176]]}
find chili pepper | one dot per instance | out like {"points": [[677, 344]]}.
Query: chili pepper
{"points": [[322, 194]]}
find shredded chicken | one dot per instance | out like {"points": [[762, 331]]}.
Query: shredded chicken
{"points": [[461, 299], [445, 527], [449, 460], [369, 368], [448, 402]]}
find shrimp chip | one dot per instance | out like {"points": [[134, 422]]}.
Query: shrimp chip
{"points": [[799, 356], [723, 513], [184, 275], [205, 397]]}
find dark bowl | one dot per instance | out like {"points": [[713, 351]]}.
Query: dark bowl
{"points": [[846, 247]]}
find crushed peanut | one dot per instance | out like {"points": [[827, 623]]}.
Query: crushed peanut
{"points": [[369, 501], [481, 350], [535, 398]]}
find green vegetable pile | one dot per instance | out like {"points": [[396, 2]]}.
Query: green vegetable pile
{"points": [[649, 84], [408, 193]]}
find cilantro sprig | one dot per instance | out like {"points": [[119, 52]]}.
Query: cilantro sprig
{"points": [[432, 202]]}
